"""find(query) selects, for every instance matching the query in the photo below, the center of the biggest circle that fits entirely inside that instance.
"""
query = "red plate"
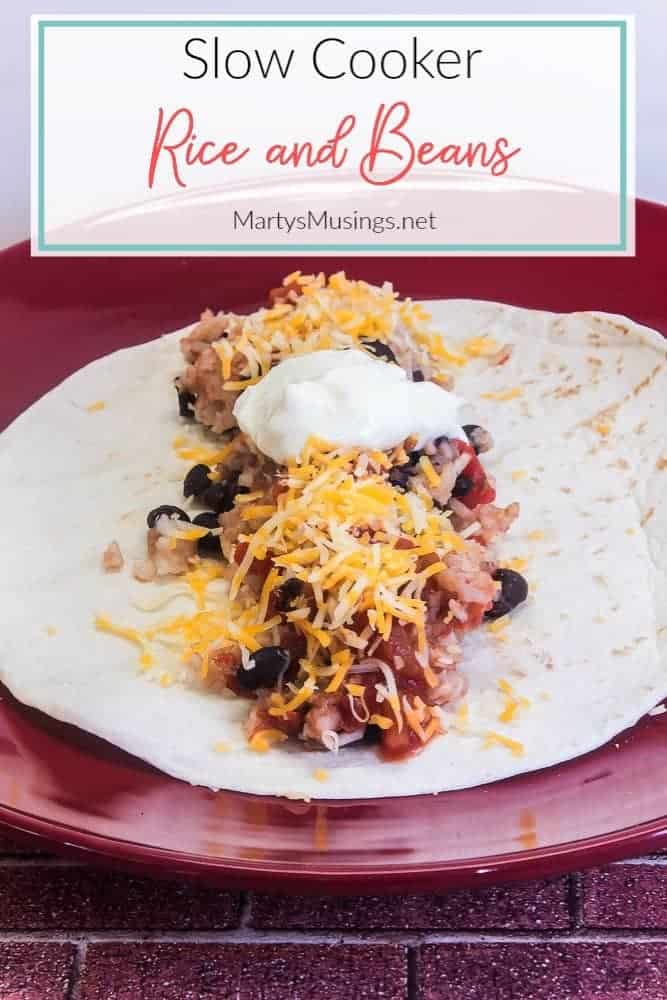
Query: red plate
(82, 795)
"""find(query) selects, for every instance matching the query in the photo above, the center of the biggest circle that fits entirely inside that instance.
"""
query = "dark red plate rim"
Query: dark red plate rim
(89, 307)
(276, 876)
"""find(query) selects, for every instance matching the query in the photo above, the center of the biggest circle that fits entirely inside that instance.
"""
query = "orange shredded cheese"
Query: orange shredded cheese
(516, 564)
(432, 477)
(515, 747)
(503, 395)
(481, 347)
(264, 739)
(382, 721)
(498, 625)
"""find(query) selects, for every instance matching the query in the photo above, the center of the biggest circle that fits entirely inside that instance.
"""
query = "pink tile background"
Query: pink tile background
(69, 932)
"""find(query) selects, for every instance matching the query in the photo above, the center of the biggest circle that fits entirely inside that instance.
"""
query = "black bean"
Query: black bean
(417, 375)
(169, 511)
(372, 734)
(442, 439)
(208, 547)
(475, 433)
(186, 402)
(399, 476)
(380, 350)
(462, 486)
(235, 489)
(264, 668)
(220, 496)
(514, 591)
(207, 519)
(197, 481)
(216, 495)
(286, 593)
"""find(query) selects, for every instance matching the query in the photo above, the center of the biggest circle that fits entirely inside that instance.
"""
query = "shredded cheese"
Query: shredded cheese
(515, 747)
(503, 395)
(432, 477)
(264, 739)
(481, 347)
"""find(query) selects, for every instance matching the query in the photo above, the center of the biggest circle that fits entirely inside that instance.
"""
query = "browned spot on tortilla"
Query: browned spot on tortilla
(647, 516)
(620, 327)
(594, 361)
(641, 427)
(645, 382)
(598, 552)
(661, 463)
(565, 391)
(566, 489)
(609, 413)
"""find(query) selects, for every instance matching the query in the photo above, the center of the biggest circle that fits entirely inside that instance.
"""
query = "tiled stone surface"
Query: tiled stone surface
(525, 906)
(36, 970)
(244, 972)
(39, 898)
(626, 896)
(68, 931)
(567, 971)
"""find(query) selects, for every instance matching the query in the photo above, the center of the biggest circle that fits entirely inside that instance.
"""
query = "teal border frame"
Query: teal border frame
(279, 248)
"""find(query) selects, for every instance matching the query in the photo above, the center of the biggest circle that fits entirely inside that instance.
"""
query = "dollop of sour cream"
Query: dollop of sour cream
(347, 398)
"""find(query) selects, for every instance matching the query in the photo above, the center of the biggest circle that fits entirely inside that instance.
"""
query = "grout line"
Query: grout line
(576, 901)
(412, 984)
(245, 913)
(406, 938)
(656, 860)
(35, 861)
(78, 964)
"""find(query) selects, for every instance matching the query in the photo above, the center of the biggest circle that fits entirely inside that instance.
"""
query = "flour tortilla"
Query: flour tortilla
(588, 649)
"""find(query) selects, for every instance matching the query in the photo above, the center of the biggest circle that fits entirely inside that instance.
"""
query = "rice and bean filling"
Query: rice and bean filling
(351, 575)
